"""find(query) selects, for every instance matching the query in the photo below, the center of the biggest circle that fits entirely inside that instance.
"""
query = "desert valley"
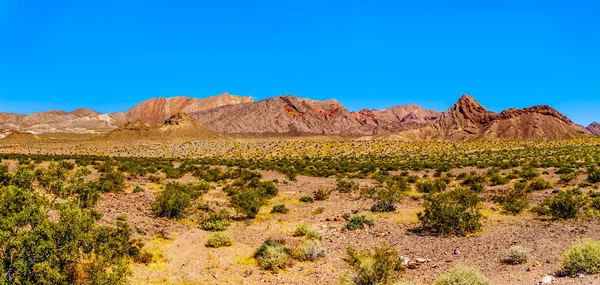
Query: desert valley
(226, 190)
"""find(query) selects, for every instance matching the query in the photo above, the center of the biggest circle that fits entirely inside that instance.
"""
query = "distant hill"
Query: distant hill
(290, 116)
(594, 128)
(469, 120)
(178, 126)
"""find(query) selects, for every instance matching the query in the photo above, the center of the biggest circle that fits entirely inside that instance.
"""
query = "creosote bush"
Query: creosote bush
(219, 239)
(462, 276)
(321, 194)
(301, 230)
(383, 266)
(280, 209)
(451, 213)
(307, 199)
(564, 205)
(346, 186)
(218, 221)
(513, 201)
(174, 200)
(583, 258)
(357, 221)
(272, 255)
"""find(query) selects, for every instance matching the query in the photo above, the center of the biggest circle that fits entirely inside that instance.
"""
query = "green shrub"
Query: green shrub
(321, 194)
(306, 199)
(111, 181)
(462, 276)
(594, 175)
(567, 177)
(138, 189)
(301, 230)
(218, 221)
(583, 258)
(280, 209)
(517, 254)
(313, 235)
(220, 239)
(247, 202)
(172, 202)
(513, 201)
(430, 186)
(345, 186)
(272, 255)
(383, 266)
(309, 250)
(451, 213)
(498, 179)
(357, 221)
(319, 210)
(539, 184)
(564, 205)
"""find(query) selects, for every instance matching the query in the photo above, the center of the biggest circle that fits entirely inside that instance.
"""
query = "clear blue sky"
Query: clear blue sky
(109, 55)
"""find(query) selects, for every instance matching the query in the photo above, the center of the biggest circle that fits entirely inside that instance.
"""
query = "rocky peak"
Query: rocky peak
(83, 112)
(594, 128)
(540, 109)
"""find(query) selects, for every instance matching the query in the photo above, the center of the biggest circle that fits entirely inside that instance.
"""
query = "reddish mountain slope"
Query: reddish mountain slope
(178, 126)
(468, 120)
(594, 128)
(157, 110)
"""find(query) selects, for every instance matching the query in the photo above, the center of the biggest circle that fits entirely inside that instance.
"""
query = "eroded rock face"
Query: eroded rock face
(594, 128)
(152, 111)
(178, 126)
(157, 110)
(468, 120)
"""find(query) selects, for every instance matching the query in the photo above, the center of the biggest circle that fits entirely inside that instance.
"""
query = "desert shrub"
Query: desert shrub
(498, 179)
(583, 257)
(290, 174)
(462, 276)
(564, 205)
(517, 254)
(154, 179)
(386, 197)
(306, 199)
(383, 206)
(247, 202)
(138, 189)
(383, 266)
(301, 230)
(172, 202)
(539, 184)
(321, 194)
(357, 221)
(219, 239)
(280, 209)
(455, 212)
(594, 175)
(218, 221)
(4, 175)
(308, 250)
(319, 210)
(567, 177)
(111, 181)
(272, 255)
(564, 170)
(431, 186)
(528, 172)
(313, 235)
(514, 201)
(346, 186)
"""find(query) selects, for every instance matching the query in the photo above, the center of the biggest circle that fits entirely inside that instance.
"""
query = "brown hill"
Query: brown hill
(157, 110)
(397, 118)
(594, 128)
(283, 115)
(468, 120)
(178, 126)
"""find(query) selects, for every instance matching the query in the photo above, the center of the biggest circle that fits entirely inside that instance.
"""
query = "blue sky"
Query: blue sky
(109, 55)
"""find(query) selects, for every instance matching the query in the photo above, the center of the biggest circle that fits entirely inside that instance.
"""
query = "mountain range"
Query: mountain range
(230, 115)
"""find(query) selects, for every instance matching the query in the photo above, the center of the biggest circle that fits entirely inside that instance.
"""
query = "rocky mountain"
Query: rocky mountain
(594, 128)
(157, 110)
(152, 111)
(178, 126)
(469, 120)
(288, 115)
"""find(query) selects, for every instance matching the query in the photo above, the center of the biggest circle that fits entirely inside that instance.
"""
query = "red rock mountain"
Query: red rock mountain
(594, 128)
(157, 110)
(152, 111)
(468, 120)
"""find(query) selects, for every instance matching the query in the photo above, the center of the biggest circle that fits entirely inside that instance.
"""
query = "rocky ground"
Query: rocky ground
(182, 258)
